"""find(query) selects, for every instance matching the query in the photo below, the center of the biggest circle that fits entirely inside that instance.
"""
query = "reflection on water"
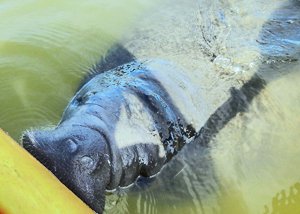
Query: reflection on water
(245, 160)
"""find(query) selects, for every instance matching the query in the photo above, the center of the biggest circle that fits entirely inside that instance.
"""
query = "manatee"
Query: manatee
(122, 124)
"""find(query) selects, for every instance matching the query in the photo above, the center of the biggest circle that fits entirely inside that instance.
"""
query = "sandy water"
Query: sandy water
(251, 166)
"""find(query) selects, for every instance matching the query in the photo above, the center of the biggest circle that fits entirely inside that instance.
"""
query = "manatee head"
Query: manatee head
(78, 155)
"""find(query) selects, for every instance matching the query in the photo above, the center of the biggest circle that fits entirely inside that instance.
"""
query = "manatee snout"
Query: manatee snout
(79, 156)
(35, 143)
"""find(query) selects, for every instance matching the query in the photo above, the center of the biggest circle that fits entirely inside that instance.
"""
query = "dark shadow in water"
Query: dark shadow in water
(189, 178)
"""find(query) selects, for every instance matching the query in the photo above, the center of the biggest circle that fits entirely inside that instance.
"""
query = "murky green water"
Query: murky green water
(45, 50)
(251, 166)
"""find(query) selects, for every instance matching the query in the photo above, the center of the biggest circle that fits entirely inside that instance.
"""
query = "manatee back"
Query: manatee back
(117, 55)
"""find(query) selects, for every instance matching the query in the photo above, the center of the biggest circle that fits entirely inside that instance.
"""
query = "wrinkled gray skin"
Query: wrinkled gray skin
(73, 153)
(82, 150)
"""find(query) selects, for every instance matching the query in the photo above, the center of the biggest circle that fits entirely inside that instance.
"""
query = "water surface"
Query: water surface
(250, 166)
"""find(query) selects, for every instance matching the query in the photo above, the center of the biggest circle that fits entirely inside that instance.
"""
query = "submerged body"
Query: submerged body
(123, 123)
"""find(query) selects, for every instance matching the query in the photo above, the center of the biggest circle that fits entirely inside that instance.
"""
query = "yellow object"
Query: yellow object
(26, 186)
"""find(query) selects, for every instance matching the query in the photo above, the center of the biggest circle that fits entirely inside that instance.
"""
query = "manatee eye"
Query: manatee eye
(72, 145)
(87, 162)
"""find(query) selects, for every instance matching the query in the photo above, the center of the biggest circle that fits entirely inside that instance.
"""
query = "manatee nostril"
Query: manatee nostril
(87, 162)
(72, 145)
